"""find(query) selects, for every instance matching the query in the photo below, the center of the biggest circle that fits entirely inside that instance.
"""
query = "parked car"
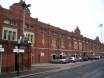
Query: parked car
(95, 57)
(73, 59)
(58, 60)
(85, 58)
(89, 57)
(80, 59)
(102, 56)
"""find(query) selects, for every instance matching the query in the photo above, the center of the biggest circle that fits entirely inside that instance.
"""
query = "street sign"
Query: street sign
(0, 45)
(22, 47)
(1, 49)
(18, 50)
(16, 47)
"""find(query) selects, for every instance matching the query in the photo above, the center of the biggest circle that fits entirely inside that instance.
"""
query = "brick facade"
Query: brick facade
(50, 41)
(9, 58)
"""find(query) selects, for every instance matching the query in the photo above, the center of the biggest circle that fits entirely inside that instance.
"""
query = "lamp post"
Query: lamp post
(100, 26)
(24, 5)
(18, 57)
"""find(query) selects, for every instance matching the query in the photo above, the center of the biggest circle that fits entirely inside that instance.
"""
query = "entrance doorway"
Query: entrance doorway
(75, 55)
(0, 61)
(60, 56)
(53, 56)
(84, 54)
(16, 62)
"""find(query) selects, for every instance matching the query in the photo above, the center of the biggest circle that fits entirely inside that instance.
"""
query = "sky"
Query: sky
(67, 14)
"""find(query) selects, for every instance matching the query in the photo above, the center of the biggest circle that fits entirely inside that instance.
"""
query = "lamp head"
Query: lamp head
(29, 5)
(24, 5)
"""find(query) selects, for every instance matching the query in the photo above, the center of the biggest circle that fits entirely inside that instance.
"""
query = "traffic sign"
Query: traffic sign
(0, 45)
(1, 49)
(18, 50)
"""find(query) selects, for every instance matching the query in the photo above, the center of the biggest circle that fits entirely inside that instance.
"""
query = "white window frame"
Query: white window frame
(6, 21)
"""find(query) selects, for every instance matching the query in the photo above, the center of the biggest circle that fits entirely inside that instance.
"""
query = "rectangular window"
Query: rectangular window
(5, 34)
(28, 37)
(69, 37)
(53, 33)
(14, 36)
(44, 31)
(75, 45)
(7, 21)
(61, 35)
(31, 38)
(31, 27)
(80, 46)
(40, 29)
(87, 47)
(26, 26)
(14, 23)
(62, 44)
(9, 35)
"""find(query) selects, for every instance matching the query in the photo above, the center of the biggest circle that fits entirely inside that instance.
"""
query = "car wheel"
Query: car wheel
(61, 62)
(51, 62)
(72, 61)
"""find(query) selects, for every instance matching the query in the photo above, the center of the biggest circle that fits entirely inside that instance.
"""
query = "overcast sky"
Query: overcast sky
(67, 14)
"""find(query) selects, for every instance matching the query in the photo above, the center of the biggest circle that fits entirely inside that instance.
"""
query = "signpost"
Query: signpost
(18, 50)
(1, 50)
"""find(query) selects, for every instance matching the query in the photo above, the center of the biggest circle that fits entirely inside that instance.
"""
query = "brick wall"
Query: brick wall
(8, 57)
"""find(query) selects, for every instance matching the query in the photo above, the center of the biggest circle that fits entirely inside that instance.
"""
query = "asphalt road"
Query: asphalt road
(91, 70)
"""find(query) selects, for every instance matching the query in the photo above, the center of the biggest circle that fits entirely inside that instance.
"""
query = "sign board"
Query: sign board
(22, 47)
(25, 38)
(16, 47)
(1, 49)
(0, 45)
(18, 50)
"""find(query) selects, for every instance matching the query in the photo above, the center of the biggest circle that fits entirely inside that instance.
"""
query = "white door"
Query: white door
(0, 61)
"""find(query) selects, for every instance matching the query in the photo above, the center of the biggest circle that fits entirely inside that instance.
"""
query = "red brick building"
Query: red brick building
(47, 41)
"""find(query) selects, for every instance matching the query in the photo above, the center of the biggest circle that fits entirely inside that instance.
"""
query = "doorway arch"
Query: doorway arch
(53, 55)
(75, 55)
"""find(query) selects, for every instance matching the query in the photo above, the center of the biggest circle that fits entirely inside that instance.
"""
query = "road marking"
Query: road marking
(47, 77)
(60, 73)
(65, 71)
(55, 75)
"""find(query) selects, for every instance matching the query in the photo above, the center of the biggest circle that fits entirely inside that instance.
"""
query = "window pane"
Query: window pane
(26, 26)
(5, 33)
(40, 29)
(28, 37)
(9, 35)
(14, 36)
(7, 21)
(31, 38)
(31, 27)
(14, 23)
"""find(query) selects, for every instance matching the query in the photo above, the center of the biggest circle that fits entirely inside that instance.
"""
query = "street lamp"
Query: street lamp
(24, 5)
(100, 26)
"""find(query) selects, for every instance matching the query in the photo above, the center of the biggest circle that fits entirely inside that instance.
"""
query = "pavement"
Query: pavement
(42, 68)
